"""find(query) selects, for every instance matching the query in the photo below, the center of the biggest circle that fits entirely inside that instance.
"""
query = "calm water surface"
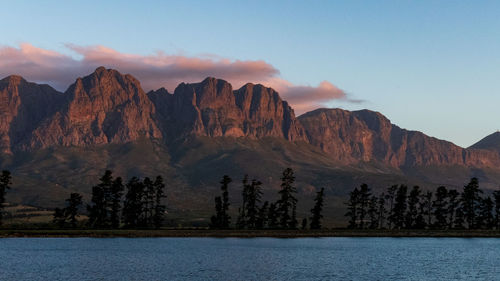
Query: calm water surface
(249, 259)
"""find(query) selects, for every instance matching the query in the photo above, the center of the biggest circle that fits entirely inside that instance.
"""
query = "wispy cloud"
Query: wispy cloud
(158, 70)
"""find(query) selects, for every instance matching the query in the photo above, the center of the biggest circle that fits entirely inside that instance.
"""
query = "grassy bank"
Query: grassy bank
(244, 233)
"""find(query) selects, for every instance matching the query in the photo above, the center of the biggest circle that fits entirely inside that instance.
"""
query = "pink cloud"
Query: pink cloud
(157, 70)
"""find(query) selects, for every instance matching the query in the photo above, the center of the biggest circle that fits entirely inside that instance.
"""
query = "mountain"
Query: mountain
(491, 142)
(56, 143)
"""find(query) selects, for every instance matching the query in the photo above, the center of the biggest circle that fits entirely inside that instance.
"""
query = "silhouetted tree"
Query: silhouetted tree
(221, 219)
(413, 207)
(59, 217)
(159, 207)
(496, 198)
(364, 200)
(133, 204)
(400, 205)
(317, 209)
(148, 202)
(116, 193)
(471, 202)
(303, 226)
(485, 217)
(427, 207)
(381, 211)
(373, 213)
(287, 203)
(352, 208)
(262, 219)
(440, 206)
(242, 211)
(390, 197)
(273, 216)
(453, 205)
(5, 183)
(73, 204)
(101, 196)
(254, 197)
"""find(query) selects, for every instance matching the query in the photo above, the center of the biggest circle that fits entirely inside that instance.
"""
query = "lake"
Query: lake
(249, 259)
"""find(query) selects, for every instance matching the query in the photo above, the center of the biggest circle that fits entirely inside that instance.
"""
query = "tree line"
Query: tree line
(255, 214)
(141, 207)
(402, 208)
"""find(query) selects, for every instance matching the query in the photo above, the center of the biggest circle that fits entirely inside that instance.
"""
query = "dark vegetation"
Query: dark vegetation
(118, 208)
(443, 209)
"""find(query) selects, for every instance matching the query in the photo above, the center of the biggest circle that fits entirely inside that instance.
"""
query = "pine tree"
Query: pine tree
(453, 205)
(440, 206)
(364, 200)
(390, 197)
(73, 204)
(133, 204)
(262, 219)
(352, 208)
(101, 198)
(5, 183)
(485, 218)
(316, 210)
(148, 201)
(496, 198)
(254, 197)
(272, 217)
(116, 193)
(381, 211)
(304, 224)
(221, 219)
(242, 211)
(471, 202)
(400, 205)
(413, 205)
(287, 202)
(427, 207)
(373, 213)
(159, 207)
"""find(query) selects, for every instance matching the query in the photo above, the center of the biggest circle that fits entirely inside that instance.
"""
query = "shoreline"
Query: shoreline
(208, 233)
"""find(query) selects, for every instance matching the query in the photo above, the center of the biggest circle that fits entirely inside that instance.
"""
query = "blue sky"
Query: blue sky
(431, 66)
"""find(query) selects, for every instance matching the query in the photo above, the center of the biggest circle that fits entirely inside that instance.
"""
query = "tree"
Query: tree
(400, 205)
(317, 209)
(73, 204)
(381, 211)
(352, 208)
(116, 193)
(242, 211)
(133, 204)
(272, 216)
(453, 205)
(427, 207)
(471, 202)
(391, 195)
(148, 201)
(413, 204)
(496, 197)
(440, 206)
(159, 207)
(221, 219)
(262, 219)
(304, 224)
(5, 183)
(373, 213)
(364, 200)
(287, 203)
(485, 218)
(59, 217)
(101, 196)
(254, 197)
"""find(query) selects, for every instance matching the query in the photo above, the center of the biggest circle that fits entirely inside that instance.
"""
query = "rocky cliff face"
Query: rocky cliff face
(104, 107)
(23, 105)
(369, 136)
(109, 107)
(211, 108)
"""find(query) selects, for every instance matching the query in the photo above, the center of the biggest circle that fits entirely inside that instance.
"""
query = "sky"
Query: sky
(431, 66)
